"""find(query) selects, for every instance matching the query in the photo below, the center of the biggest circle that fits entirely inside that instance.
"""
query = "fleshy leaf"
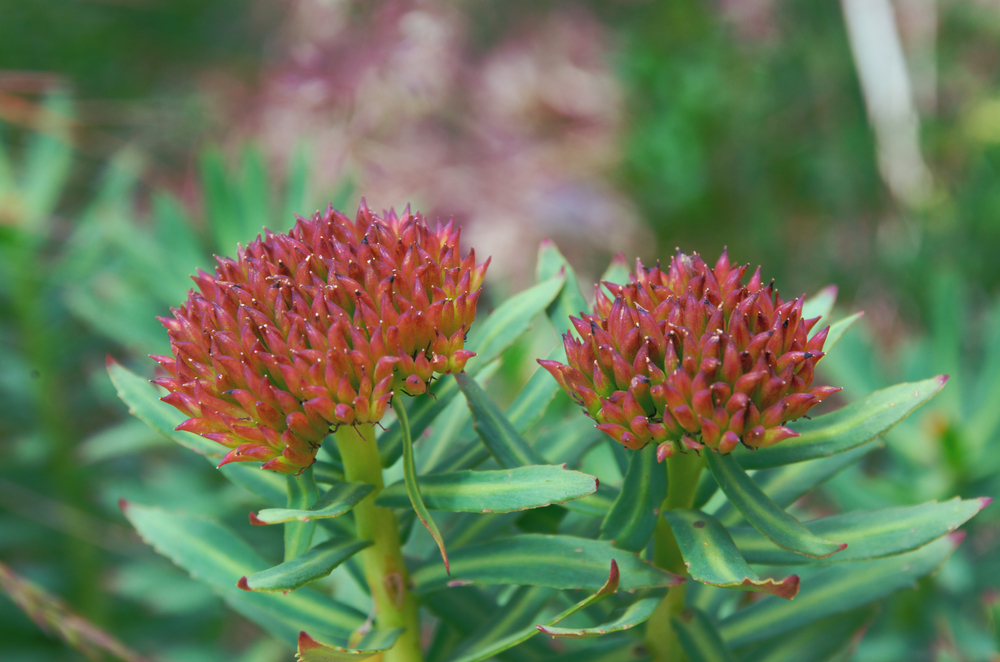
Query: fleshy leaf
(858, 423)
(617, 271)
(834, 590)
(373, 643)
(336, 501)
(636, 613)
(500, 491)
(869, 534)
(558, 561)
(630, 522)
(712, 558)
(766, 516)
(302, 493)
(410, 478)
(699, 638)
(498, 434)
(817, 642)
(517, 616)
(570, 300)
(312, 565)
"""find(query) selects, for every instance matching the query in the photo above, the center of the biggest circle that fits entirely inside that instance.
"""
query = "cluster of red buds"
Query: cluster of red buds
(689, 357)
(316, 328)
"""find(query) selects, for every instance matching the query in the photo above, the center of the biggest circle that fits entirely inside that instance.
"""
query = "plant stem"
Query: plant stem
(384, 568)
(683, 471)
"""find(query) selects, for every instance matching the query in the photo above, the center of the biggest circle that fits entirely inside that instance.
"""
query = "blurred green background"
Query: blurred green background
(853, 142)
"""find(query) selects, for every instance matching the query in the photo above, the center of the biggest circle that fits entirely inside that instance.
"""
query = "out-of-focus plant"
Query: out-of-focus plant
(710, 369)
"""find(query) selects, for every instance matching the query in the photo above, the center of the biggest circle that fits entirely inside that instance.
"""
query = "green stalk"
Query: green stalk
(385, 571)
(683, 470)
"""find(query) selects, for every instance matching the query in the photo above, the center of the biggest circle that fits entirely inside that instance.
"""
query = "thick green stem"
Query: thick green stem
(388, 580)
(683, 471)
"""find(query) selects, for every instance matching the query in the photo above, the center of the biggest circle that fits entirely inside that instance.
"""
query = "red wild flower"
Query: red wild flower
(317, 328)
(690, 356)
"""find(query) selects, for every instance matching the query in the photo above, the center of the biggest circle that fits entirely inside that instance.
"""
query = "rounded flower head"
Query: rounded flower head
(690, 356)
(316, 328)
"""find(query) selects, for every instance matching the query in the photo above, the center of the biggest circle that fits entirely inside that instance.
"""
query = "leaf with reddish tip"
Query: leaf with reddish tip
(856, 424)
(410, 478)
(713, 559)
(143, 400)
(839, 329)
(636, 613)
(336, 501)
(766, 516)
(630, 522)
(309, 566)
(699, 637)
(373, 643)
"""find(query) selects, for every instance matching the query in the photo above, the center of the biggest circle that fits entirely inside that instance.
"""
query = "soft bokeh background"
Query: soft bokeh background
(853, 142)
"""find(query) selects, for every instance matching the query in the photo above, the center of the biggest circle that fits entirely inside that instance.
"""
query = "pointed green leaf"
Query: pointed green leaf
(780, 528)
(618, 271)
(510, 319)
(500, 491)
(297, 183)
(699, 638)
(268, 485)
(515, 618)
(309, 566)
(821, 304)
(858, 423)
(570, 300)
(712, 558)
(498, 434)
(302, 493)
(636, 613)
(869, 534)
(630, 522)
(221, 206)
(47, 159)
(143, 400)
(410, 478)
(817, 642)
(835, 590)
(531, 401)
(215, 555)
(336, 501)
(610, 649)
(608, 588)
(373, 643)
(838, 329)
(564, 562)
(597, 504)
(254, 195)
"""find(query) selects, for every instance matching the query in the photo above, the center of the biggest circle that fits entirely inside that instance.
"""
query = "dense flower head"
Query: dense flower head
(316, 328)
(689, 356)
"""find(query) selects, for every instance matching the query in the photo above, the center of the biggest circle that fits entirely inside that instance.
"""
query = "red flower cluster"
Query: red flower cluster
(690, 356)
(316, 328)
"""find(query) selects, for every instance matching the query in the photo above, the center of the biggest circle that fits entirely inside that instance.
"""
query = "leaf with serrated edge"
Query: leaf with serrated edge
(410, 477)
(712, 558)
(336, 501)
(838, 330)
(869, 534)
(699, 638)
(143, 400)
(854, 425)
(498, 491)
(636, 613)
(564, 562)
(314, 564)
(373, 643)
(780, 528)
(630, 522)
(834, 590)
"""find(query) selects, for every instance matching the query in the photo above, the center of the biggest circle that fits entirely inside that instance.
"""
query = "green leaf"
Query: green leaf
(817, 642)
(47, 160)
(302, 493)
(175, 236)
(268, 485)
(215, 555)
(510, 319)
(636, 613)
(498, 434)
(336, 501)
(712, 558)
(221, 206)
(858, 423)
(309, 566)
(821, 304)
(699, 638)
(499, 491)
(563, 562)
(422, 413)
(608, 588)
(869, 534)
(144, 403)
(373, 643)
(410, 477)
(766, 516)
(834, 590)
(631, 520)
(534, 398)
(254, 196)
(597, 504)
(618, 271)
(297, 183)
(570, 300)
(515, 618)
(611, 649)
(838, 329)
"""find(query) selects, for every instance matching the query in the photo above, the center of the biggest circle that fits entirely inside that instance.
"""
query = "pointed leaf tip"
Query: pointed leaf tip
(242, 583)
(307, 643)
(256, 521)
(110, 361)
(123, 505)
(985, 501)
(956, 537)
(943, 379)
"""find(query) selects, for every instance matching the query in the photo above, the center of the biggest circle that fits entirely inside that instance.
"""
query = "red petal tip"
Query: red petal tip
(243, 584)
